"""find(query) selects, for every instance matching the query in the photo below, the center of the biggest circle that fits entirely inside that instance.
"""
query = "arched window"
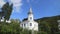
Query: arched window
(30, 24)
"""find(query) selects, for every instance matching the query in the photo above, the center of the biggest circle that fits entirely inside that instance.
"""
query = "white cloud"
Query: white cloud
(2, 3)
(16, 2)
(16, 5)
(17, 10)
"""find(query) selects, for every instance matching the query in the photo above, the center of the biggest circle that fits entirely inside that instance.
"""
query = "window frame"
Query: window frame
(30, 18)
(30, 24)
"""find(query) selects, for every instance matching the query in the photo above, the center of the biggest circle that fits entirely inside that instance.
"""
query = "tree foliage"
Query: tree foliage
(7, 9)
(49, 24)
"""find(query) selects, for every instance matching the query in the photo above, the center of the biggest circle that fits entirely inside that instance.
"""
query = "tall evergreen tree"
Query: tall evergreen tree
(7, 9)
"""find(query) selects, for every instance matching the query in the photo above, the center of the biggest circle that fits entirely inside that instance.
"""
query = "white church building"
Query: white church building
(29, 24)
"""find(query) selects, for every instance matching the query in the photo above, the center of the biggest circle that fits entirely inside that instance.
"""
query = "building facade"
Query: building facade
(58, 24)
(29, 24)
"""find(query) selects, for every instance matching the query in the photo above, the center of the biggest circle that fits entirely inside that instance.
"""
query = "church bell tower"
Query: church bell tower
(30, 15)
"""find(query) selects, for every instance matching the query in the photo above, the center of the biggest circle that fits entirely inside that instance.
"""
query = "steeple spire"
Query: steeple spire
(30, 11)
(30, 15)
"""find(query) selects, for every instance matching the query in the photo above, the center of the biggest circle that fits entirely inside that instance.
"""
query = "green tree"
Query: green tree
(7, 9)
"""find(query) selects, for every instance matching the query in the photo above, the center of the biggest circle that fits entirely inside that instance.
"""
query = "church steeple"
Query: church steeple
(30, 15)
(30, 12)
